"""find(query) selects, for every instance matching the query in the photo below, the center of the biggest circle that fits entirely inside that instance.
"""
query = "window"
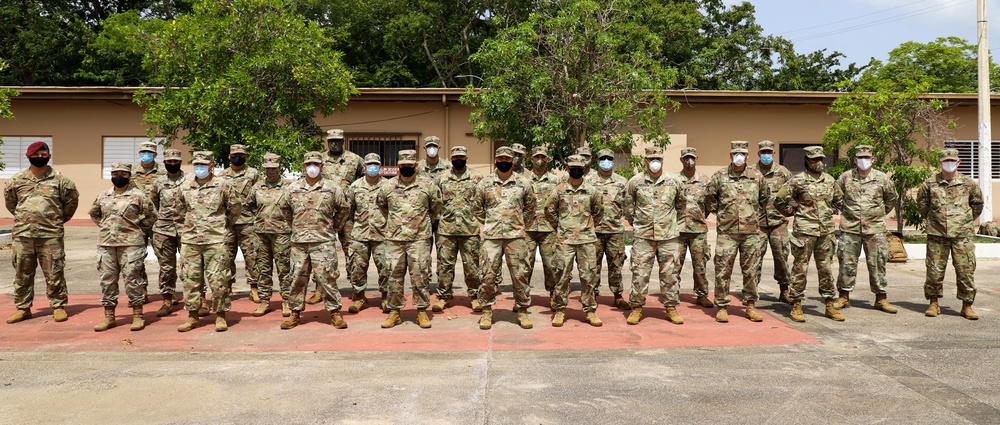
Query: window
(968, 153)
(386, 146)
(793, 157)
(13, 149)
(125, 149)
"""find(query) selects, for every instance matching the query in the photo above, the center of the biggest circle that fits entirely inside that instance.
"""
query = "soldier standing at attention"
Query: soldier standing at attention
(506, 203)
(144, 176)
(124, 215)
(541, 234)
(588, 172)
(318, 209)
(811, 197)
(367, 238)
(868, 196)
(166, 197)
(652, 199)
(42, 200)
(409, 204)
(458, 230)
(272, 226)
(774, 226)
(241, 180)
(610, 229)
(950, 202)
(209, 213)
(519, 152)
(433, 166)
(693, 229)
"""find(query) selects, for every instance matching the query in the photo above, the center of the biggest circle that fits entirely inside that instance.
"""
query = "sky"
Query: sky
(862, 29)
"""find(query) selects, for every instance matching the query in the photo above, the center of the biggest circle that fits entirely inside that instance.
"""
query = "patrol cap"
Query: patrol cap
(654, 152)
(539, 150)
(237, 149)
(861, 151)
(504, 151)
(335, 134)
(692, 152)
(271, 160)
(407, 157)
(739, 146)
(171, 154)
(312, 157)
(121, 166)
(203, 158)
(814, 152)
(584, 151)
(432, 141)
(765, 145)
(518, 149)
(605, 152)
(576, 161)
(35, 147)
(147, 147)
(459, 151)
(949, 155)
(373, 158)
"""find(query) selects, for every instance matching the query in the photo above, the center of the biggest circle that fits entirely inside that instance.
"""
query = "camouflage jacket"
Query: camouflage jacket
(866, 202)
(435, 171)
(144, 180)
(775, 177)
(41, 205)
(951, 206)
(543, 186)
(737, 200)
(208, 211)
(507, 206)
(343, 169)
(123, 218)
(651, 205)
(691, 219)
(409, 208)
(318, 211)
(812, 200)
(369, 223)
(242, 183)
(166, 197)
(458, 218)
(265, 202)
(612, 190)
(573, 212)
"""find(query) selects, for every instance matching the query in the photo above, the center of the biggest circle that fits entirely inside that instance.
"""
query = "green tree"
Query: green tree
(946, 65)
(5, 112)
(244, 71)
(114, 57)
(43, 40)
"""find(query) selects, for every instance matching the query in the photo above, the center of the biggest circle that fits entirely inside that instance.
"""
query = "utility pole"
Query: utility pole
(985, 131)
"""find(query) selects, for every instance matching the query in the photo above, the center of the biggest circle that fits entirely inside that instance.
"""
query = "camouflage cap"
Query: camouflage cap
(334, 134)
(504, 151)
(739, 146)
(539, 150)
(605, 153)
(147, 147)
(576, 161)
(519, 149)
(271, 160)
(654, 152)
(237, 149)
(373, 158)
(584, 151)
(121, 166)
(203, 158)
(432, 141)
(459, 151)
(171, 154)
(765, 145)
(949, 154)
(814, 152)
(689, 152)
(407, 157)
(861, 151)
(312, 157)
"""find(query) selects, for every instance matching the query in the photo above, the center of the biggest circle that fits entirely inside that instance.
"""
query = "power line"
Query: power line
(853, 18)
(889, 19)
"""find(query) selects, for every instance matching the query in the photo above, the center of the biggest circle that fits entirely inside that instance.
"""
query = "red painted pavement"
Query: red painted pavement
(456, 329)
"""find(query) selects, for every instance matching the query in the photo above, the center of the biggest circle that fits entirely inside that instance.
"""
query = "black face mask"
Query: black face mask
(119, 181)
(458, 164)
(576, 173)
(237, 160)
(407, 171)
(172, 168)
(505, 166)
(39, 161)
(336, 148)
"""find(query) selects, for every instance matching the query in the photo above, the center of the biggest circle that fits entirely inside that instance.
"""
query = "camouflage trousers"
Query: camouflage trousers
(448, 249)
(344, 237)
(697, 245)
(777, 237)
(246, 240)
(28, 254)
(319, 260)
(586, 264)
(166, 249)
(413, 257)
(876, 248)
(274, 251)
(644, 253)
(727, 246)
(805, 247)
(491, 261)
(545, 243)
(121, 261)
(206, 269)
(612, 247)
(963, 257)
(362, 252)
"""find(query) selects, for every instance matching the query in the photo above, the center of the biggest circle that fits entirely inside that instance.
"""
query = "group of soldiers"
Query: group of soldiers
(438, 204)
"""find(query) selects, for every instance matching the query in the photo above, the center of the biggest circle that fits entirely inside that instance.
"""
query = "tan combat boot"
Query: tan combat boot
(59, 314)
(933, 309)
(108, 322)
(337, 320)
(559, 318)
(620, 302)
(967, 311)
(204, 310)
(254, 294)
(783, 293)
(635, 316)
(704, 302)
(423, 319)
(168, 305)
(315, 298)
(138, 322)
(486, 320)
(722, 316)
(392, 320)
(832, 312)
(292, 321)
(882, 303)
(476, 307)
(191, 323)
(286, 311)
(522, 319)
(672, 315)
(440, 305)
(752, 313)
(593, 320)
(19, 315)
(360, 303)
(797, 315)
(220, 322)
(844, 301)
(262, 309)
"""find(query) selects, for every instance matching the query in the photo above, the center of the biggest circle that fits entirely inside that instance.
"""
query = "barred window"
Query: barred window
(387, 146)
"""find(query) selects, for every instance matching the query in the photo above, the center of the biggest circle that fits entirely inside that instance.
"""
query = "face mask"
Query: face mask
(817, 167)
(539, 163)
(949, 166)
(372, 170)
(432, 152)
(739, 159)
(336, 148)
(458, 164)
(605, 164)
(576, 173)
(146, 157)
(172, 168)
(688, 163)
(407, 171)
(272, 174)
(119, 181)
(312, 171)
(864, 164)
(39, 161)
(237, 160)
(505, 166)
(518, 160)
(201, 171)
(766, 158)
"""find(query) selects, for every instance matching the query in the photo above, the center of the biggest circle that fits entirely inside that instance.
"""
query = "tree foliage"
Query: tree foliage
(5, 112)
(946, 65)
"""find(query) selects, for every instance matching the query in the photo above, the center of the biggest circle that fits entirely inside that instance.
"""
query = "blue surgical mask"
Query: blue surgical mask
(605, 164)
(766, 158)
(146, 157)
(201, 171)
(372, 170)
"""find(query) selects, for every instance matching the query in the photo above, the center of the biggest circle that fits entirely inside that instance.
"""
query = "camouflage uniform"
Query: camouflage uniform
(610, 229)
(272, 225)
(458, 229)
(41, 206)
(166, 197)
(145, 181)
(773, 225)
(242, 183)
(541, 234)
(343, 170)
(574, 212)
(367, 241)
(438, 169)
(693, 228)
(124, 219)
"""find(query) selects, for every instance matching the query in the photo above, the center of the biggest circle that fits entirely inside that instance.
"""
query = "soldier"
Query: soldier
(611, 230)
(433, 166)
(737, 195)
(271, 224)
(124, 215)
(585, 152)
(950, 201)
(652, 199)
(209, 213)
(367, 239)
(410, 205)
(166, 197)
(42, 200)
(144, 176)
(868, 196)
(519, 152)
(811, 197)
(541, 234)
(458, 230)
(506, 204)
(318, 209)
(574, 209)
(691, 224)
(241, 180)
(774, 226)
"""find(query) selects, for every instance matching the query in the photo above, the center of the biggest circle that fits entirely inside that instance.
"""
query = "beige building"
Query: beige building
(89, 128)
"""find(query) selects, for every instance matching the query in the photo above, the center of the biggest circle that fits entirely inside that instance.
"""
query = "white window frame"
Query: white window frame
(125, 149)
(13, 150)
(968, 152)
